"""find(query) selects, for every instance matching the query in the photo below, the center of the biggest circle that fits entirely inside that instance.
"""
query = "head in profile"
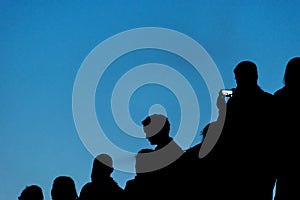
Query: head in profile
(32, 192)
(292, 73)
(246, 75)
(63, 188)
(157, 128)
(102, 167)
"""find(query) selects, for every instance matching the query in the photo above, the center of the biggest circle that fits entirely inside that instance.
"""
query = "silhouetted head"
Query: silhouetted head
(32, 192)
(63, 188)
(157, 128)
(212, 126)
(205, 130)
(246, 74)
(102, 167)
(292, 73)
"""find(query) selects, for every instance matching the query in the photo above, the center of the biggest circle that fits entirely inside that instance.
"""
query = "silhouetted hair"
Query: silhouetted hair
(102, 166)
(154, 122)
(63, 188)
(292, 72)
(246, 70)
(32, 192)
(146, 121)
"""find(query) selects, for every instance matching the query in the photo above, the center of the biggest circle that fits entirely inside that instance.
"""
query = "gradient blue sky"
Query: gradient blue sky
(43, 44)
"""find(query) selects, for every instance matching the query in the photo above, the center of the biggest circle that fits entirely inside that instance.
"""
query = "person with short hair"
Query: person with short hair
(32, 192)
(63, 188)
(101, 184)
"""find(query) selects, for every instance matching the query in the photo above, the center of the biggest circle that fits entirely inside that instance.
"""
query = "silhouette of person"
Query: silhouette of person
(204, 175)
(160, 165)
(157, 129)
(248, 143)
(63, 188)
(32, 192)
(287, 106)
(102, 184)
(143, 181)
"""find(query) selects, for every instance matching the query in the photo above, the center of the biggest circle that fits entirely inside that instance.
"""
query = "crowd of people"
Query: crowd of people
(256, 149)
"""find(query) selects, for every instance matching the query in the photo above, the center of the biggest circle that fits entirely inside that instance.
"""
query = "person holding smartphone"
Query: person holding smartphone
(247, 136)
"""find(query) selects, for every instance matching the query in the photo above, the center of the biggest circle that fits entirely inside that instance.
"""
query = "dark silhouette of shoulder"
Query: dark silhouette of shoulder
(287, 107)
(102, 184)
(143, 181)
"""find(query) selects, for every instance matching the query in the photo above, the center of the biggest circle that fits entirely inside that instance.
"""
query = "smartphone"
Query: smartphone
(227, 92)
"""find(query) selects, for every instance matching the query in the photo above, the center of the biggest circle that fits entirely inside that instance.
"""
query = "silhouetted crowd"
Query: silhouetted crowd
(250, 148)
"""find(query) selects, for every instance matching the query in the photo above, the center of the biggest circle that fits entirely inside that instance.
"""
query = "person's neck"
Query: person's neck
(163, 143)
(246, 89)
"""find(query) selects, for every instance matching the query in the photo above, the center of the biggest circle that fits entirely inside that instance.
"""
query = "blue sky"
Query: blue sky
(43, 45)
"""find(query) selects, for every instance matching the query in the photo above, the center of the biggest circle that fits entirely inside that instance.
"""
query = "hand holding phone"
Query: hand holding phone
(227, 92)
